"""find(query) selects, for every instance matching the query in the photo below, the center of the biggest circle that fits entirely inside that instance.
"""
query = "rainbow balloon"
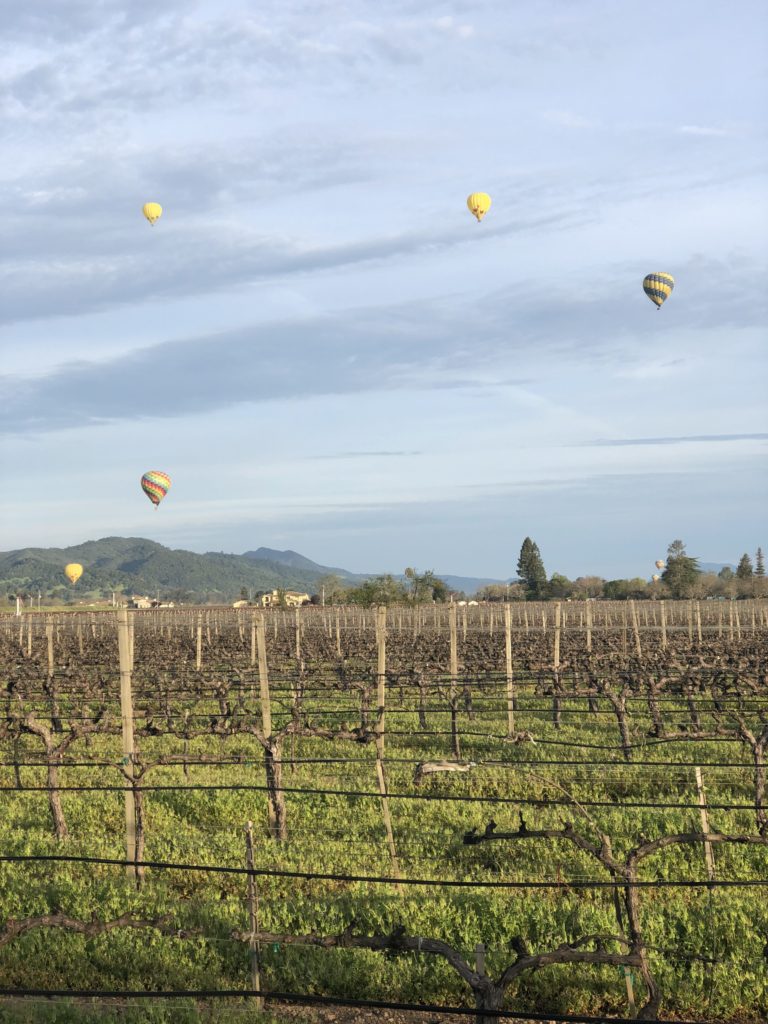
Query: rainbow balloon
(155, 485)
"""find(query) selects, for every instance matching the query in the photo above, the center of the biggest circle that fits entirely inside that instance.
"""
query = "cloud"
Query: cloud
(53, 267)
(694, 438)
(568, 119)
(448, 24)
(361, 350)
(428, 344)
(118, 57)
(704, 131)
(362, 455)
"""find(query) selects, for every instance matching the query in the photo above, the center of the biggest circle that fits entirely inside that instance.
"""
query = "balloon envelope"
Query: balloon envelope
(73, 571)
(152, 211)
(479, 204)
(155, 485)
(655, 578)
(660, 565)
(658, 287)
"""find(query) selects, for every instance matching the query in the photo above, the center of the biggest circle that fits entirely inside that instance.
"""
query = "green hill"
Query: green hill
(133, 565)
(137, 566)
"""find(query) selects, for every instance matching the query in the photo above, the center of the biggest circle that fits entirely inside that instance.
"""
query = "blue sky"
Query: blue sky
(318, 342)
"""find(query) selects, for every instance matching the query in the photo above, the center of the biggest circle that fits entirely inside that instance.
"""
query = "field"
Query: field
(483, 807)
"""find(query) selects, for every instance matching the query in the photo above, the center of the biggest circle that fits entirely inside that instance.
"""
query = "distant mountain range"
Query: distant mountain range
(137, 566)
(715, 566)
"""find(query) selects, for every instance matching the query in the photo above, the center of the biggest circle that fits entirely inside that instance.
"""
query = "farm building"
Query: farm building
(291, 598)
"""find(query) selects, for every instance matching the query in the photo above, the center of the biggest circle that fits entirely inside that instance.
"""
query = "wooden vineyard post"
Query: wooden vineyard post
(298, 634)
(730, 619)
(663, 611)
(199, 642)
(454, 676)
(338, 636)
(266, 707)
(525, 618)
(508, 661)
(381, 696)
(126, 717)
(381, 672)
(690, 623)
(698, 622)
(464, 623)
(253, 638)
(49, 638)
(738, 623)
(480, 958)
(253, 918)
(709, 855)
(589, 624)
(272, 755)
(29, 636)
(620, 920)
(556, 651)
(635, 628)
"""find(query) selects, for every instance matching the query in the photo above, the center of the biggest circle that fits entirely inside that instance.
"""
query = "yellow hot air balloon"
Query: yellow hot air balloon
(479, 204)
(660, 565)
(73, 571)
(152, 211)
(655, 578)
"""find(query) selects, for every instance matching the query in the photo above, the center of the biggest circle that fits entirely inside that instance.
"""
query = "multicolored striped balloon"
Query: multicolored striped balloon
(658, 287)
(155, 485)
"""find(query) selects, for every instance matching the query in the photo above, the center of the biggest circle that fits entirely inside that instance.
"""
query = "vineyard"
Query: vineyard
(552, 809)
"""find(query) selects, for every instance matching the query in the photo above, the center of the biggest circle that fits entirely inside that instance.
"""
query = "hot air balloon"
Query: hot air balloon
(152, 211)
(655, 578)
(479, 204)
(155, 485)
(73, 571)
(660, 564)
(658, 287)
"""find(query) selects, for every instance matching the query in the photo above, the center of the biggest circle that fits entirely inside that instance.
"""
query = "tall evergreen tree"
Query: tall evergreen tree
(759, 563)
(744, 570)
(530, 569)
(682, 570)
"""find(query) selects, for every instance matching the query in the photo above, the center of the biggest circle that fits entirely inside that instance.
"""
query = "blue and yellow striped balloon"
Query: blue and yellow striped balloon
(658, 287)
(155, 485)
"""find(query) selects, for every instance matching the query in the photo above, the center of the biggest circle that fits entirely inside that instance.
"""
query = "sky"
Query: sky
(320, 344)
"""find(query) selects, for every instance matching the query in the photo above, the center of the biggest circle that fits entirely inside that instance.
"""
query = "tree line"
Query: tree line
(681, 577)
